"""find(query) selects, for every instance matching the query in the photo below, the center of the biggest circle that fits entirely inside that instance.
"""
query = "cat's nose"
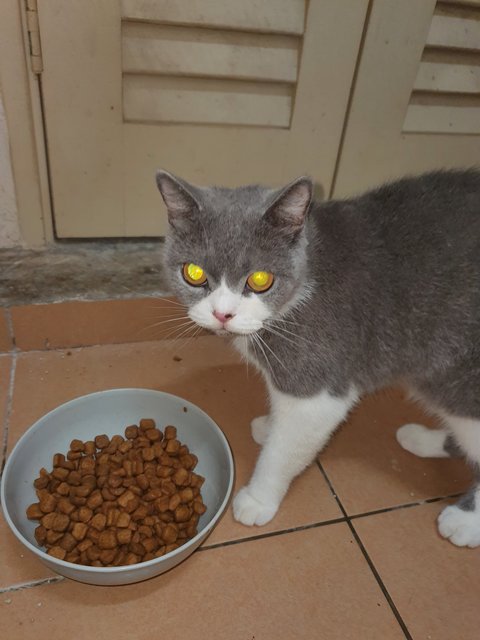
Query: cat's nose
(223, 317)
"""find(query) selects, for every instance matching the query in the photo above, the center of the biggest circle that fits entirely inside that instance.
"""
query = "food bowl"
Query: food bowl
(110, 412)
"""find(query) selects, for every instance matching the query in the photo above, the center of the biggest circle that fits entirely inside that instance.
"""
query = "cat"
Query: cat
(334, 300)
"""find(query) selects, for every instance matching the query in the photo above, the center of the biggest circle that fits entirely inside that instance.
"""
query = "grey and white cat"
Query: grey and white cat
(335, 300)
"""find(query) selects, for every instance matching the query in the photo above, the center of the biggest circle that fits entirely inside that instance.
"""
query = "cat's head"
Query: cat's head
(236, 257)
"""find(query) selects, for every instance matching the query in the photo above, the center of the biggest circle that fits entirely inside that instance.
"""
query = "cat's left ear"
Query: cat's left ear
(178, 197)
(288, 211)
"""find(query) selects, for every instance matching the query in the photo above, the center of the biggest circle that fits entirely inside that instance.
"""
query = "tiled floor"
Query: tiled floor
(352, 554)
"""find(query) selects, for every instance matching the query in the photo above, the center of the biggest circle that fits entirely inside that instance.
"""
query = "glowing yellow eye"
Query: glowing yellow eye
(260, 281)
(194, 275)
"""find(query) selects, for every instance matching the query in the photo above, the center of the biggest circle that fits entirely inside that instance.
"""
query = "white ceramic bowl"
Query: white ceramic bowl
(110, 412)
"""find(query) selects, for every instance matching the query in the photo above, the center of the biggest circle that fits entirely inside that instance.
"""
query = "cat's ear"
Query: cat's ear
(288, 211)
(178, 197)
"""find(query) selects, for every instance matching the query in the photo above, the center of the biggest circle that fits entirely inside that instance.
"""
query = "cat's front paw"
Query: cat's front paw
(248, 510)
(260, 428)
(459, 526)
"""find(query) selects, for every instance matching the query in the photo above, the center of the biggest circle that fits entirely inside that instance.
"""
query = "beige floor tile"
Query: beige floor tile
(5, 367)
(368, 468)
(74, 324)
(209, 374)
(304, 585)
(5, 338)
(434, 584)
(17, 565)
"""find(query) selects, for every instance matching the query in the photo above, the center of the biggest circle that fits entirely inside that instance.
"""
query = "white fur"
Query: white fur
(260, 428)
(249, 312)
(299, 428)
(423, 442)
(460, 527)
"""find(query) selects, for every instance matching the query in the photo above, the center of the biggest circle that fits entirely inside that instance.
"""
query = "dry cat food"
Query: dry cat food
(118, 501)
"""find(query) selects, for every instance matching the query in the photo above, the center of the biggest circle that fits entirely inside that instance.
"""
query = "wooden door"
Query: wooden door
(416, 103)
(218, 91)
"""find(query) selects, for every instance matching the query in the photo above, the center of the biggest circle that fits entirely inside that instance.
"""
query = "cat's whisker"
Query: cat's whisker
(162, 322)
(276, 332)
(178, 328)
(255, 337)
(272, 352)
(270, 326)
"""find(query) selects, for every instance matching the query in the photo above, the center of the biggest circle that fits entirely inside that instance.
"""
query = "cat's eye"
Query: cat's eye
(193, 274)
(260, 281)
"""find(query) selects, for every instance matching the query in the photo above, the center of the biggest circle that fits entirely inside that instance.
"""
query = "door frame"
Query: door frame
(21, 94)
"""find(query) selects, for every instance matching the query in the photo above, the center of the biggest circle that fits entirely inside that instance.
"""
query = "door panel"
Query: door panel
(218, 91)
(416, 103)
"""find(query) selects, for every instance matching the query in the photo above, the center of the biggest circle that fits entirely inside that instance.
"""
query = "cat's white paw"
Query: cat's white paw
(260, 427)
(423, 442)
(460, 527)
(248, 510)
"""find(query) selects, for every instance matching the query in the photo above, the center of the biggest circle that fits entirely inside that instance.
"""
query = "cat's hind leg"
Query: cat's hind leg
(460, 523)
(427, 443)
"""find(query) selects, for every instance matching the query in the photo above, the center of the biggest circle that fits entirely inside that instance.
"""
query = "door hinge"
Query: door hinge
(33, 30)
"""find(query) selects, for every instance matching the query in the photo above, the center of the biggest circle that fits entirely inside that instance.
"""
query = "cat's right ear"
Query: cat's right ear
(178, 199)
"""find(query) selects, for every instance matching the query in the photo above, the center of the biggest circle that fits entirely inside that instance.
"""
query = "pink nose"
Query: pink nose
(223, 317)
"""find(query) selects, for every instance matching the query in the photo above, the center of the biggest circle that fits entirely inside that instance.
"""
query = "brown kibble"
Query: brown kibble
(123, 520)
(53, 537)
(140, 513)
(131, 432)
(84, 545)
(63, 489)
(78, 501)
(56, 521)
(107, 556)
(150, 544)
(137, 548)
(94, 500)
(181, 477)
(196, 480)
(171, 547)
(124, 536)
(142, 481)
(199, 507)
(174, 502)
(77, 445)
(41, 482)
(161, 504)
(125, 498)
(86, 466)
(99, 521)
(107, 540)
(74, 455)
(172, 446)
(74, 478)
(58, 459)
(112, 517)
(90, 448)
(93, 553)
(83, 491)
(114, 481)
(131, 559)
(40, 535)
(186, 494)
(169, 534)
(79, 530)
(68, 542)
(48, 503)
(57, 552)
(153, 435)
(102, 442)
(125, 446)
(73, 556)
(146, 424)
(148, 454)
(170, 433)
(182, 513)
(84, 514)
(34, 512)
(65, 506)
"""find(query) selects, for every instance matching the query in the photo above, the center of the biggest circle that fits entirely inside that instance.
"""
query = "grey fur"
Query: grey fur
(467, 502)
(451, 447)
(393, 275)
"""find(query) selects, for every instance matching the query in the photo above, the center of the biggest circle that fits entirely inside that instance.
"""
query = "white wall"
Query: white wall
(9, 230)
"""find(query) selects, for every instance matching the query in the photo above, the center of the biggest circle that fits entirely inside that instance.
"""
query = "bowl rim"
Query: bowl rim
(122, 568)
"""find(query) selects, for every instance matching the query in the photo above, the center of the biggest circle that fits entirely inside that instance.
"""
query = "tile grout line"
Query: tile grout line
(30, 585)
(271, 534)
(368, 560)
(407, 505)
(8, 408)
